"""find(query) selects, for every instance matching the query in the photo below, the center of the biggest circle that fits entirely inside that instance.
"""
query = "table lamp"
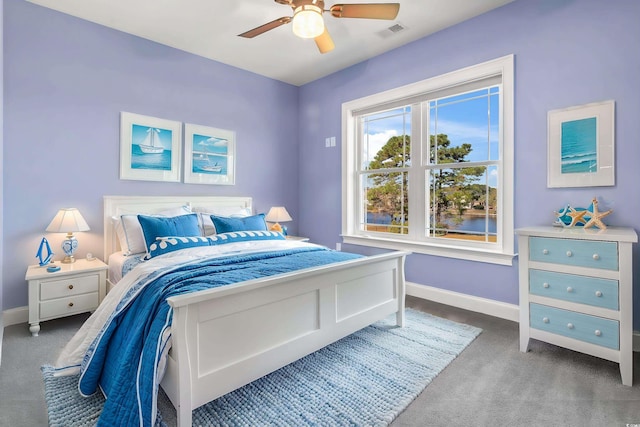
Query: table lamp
(276, 215)
(68, 221)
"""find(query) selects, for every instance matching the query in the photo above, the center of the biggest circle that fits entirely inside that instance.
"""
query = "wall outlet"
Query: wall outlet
(338, 246)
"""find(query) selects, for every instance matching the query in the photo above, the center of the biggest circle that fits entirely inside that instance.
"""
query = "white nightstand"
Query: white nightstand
(298, 238)
(75, 288)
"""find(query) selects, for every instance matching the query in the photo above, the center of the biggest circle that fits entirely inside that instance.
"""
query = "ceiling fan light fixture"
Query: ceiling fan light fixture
(307, 21)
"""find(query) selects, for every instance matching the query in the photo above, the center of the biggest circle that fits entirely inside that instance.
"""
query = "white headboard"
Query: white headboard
(115, 206)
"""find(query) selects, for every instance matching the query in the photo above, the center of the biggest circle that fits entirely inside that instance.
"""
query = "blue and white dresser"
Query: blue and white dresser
(576, 291)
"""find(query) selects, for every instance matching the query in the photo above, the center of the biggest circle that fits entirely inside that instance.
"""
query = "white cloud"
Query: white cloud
(375, 142)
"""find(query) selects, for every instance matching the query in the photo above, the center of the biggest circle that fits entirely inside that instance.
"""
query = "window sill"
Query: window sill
(431, 249)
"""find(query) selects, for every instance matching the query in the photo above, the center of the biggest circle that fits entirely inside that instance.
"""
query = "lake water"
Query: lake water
(469, 223)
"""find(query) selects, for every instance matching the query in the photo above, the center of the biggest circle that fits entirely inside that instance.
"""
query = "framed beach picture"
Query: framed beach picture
(150, 148)
(209, 155)
(580, 146)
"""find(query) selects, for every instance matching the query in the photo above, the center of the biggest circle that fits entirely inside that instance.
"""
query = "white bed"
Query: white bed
(291, 314)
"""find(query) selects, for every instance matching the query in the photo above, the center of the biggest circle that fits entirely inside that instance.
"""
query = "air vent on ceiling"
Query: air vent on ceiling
(394, 29)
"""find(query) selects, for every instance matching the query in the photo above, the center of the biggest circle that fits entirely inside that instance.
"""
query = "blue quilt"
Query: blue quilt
(123, 359)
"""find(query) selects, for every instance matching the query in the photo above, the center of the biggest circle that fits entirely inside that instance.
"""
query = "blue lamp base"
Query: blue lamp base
(69, 246)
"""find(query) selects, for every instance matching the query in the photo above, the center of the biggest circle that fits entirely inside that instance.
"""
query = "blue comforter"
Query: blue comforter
(123, 359)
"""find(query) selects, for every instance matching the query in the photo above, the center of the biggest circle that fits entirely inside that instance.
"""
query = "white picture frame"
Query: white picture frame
(209, 155)
(150, 148)
(581, 146)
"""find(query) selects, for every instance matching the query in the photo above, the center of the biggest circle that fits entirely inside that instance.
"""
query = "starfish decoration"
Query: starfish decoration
(596, 216)
(577, 216)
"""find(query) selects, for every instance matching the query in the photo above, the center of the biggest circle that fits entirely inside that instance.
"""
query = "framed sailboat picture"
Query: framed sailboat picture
(150, 148)
(209, 155)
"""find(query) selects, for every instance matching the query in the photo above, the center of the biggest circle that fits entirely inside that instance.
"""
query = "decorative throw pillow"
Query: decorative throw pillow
(180, 226)
(130, 234)
(244, 236)
(206, 224)
(164, 245)
(227, 224)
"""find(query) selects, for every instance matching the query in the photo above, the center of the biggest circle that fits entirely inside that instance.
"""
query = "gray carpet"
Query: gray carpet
(490, 384)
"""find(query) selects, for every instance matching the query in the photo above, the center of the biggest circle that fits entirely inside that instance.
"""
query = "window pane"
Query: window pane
(462, 203)
(465, 127)
(386, 140)
(386, 207)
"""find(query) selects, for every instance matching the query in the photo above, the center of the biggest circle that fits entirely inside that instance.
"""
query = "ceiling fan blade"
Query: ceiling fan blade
(266, 27)
(324, 42)
(366, 10)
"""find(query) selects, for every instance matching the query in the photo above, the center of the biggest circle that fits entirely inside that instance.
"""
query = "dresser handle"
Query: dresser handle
(597, 332)
(598, 294)
(569, 289)
(569, 253)
(570, 325)
(70, 304)
(596, 257)
(70, 286)
(545, 319)
(545, 285)
(545, 251)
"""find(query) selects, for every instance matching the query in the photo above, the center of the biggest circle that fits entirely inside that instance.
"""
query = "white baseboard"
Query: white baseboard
(467, 302)
(14, 316)
(477, 304)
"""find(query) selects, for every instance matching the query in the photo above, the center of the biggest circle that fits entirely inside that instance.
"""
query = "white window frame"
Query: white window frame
(502, 252)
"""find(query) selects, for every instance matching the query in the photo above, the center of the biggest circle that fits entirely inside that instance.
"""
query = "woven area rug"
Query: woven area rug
(365, 379)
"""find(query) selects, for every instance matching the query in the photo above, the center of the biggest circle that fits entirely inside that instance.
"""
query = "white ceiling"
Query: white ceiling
(210, 28)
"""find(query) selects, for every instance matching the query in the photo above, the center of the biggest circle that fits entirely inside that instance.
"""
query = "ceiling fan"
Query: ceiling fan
(308, 23)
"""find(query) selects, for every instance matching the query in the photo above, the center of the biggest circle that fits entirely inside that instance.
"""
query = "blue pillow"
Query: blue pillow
(165, 245)
(225, 224)
(245, 236)
(181, 226)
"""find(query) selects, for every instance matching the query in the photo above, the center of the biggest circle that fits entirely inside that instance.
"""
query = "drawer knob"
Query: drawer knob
(545, 319)
(545, 285)
(598, 294)
(569, 289)
(569, 253)
(70, 304)
(596, 257)
(597, 332)
(70, 286)
(570, 325)
(545, 251)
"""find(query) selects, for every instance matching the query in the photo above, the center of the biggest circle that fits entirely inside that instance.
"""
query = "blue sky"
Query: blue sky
(463, 118)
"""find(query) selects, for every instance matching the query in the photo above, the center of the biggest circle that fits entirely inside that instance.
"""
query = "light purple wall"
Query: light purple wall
(566, 53)
(66, 81)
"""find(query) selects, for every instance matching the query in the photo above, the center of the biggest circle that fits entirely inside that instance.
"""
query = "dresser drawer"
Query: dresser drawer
(70, 305)
(570, 287)
(583, 327)
(51, 289)
(580, 253)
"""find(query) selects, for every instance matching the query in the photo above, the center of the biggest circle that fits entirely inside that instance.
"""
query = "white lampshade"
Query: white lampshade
(278, 214)
(68, 220)
(307, 21)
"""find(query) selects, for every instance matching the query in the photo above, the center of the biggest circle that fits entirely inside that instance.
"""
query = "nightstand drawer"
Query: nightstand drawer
(580, 289)
(583, 327)
(70, 305)
(580, 253)
(51, 289)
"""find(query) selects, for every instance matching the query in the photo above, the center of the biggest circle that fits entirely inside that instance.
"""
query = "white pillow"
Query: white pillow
(204, 217)
(129, 230)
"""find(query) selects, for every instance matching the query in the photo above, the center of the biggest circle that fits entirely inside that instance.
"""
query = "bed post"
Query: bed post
(401, 292)
(182, 356)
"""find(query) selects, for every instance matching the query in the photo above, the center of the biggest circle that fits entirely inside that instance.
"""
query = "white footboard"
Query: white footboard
(226, 337)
